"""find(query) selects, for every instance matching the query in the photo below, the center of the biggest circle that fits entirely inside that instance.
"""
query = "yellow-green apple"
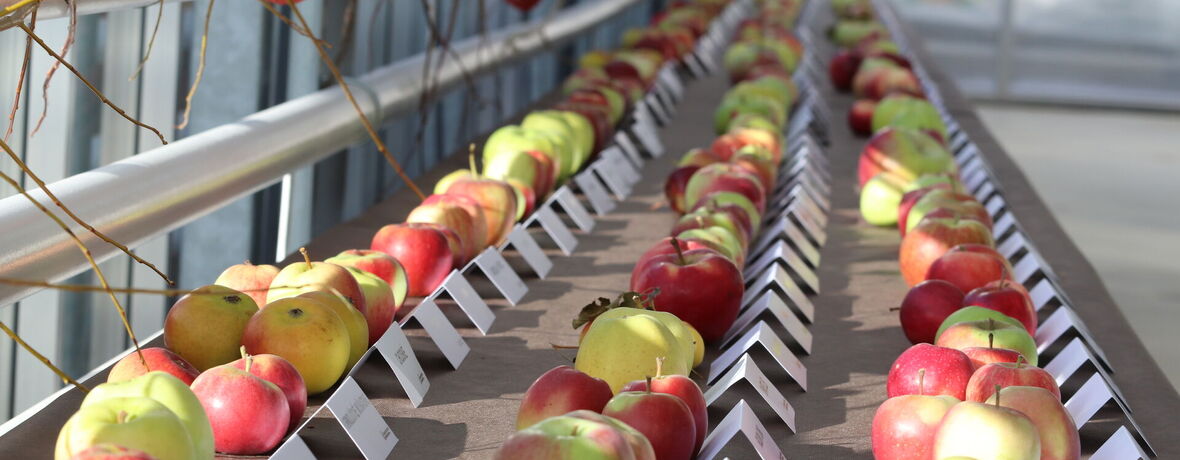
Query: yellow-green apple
(911, 197)
(729, 144)
(517, 166)
(735, 105)
(445, 182)
(983, 333)
(683, 388)
(1005, 299)
(974, 313)
(205, 326)
(305, 332)
(724, 177)
(1055, 427)
(972, 212)
(730, 246)
(906, 152)
(599, 117)
(970, 266)
(932, 238)
(842, 67)
(381, 307)
(849, 32)
(960, 203)
(700, 287)
(280, 372)
(496, 198)
(904, 426)
(686, 337)
(136, 422)
(880, 197)
(755, 160)
(734, 222)
(735, 204)
(249, 414)
(354, 321)
(929, 370)
(578, 435)
(108, 451)
(153, 359)
(860, 116)
(619, 350)
(663, 419)
(702, 218)
(985, 380)
(173, 394)
(552, 122)
(453, 217)
(760, 123)
(379, 264)
(982, 356)
(526, 198)
(986, 431)
(698, 157)
(675, 185)
(480, 230)
(561, 390)
(305, 276)
(512, 139)
(867, 72)
(422, 251)
(583, 130)
(925, 307)
(909, 112)
(247, 278)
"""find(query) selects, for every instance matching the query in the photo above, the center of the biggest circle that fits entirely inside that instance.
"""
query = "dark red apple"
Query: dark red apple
(701, 287)
(561, 390)
(842, 68)
(1005, 298)
(860, 116)
(926, 306)
(944, 371)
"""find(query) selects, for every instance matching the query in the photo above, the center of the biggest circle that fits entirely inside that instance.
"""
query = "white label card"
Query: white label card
(1026, 268)
(776, 276)
(1070, 359)
(671, 81)
(972, 165)
(649, 138)
(496, 269)
(574, 208)
(395, 350)
(468, 300)
(657, 109)
(621, 165)
(1003, 224)
(444, 335)
(556, 229)
(814, 231)
(1042, 293)
(974, 180)
(293, 449)
(1120, 446)
(1093, 394)
(804, 201)
(985, 191)
(762, 334)
(958, 141)
(623, 141)
(613, 178)
(995, 205)
(746, 369)
(780, 252)
(530, 251)
(774, 304)
(1011, 246)
(797, 240)
(695, 61)
(592, 188)
(360, 420)
(742, 419)
(1059, 323)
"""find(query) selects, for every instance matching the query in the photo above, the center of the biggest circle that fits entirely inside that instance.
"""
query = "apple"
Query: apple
(842, 67)
(249, 415)
(1005, 299)
(757, 161)
(910, 198)
(989, 332)
(976, 430)
(929, 370)
(969, 266)
(576, 151)
(526, 198)
(423, 252)
(205, 327)
(954, 203)
(378, 263)
(107, 451)
(155, 358)
(1055, 427)
(725, 177)
(880, 197)
(498, 201)
(305, 276)
(925, 307)
(703, 219)
(560, 390)
(686, 337)
(663, 419)
(458, 257)
(860, 116)
(729, 245)
(868, 70)
(354, 321)
(455, 218)
(681, 387)
(169, 391)
(731, 202)
(982, 356)
(665, 246)
(906, 111)
(701, 287)
(513, 140)
(578, 435)
(906, 152)
(891, 80)
(135, 422)
(305, 332)
(282, 374)
(480, 229)
(381, 305)
(904, 426)
(698, 157)
(675, 185)
(619, 350)
(247, 278)
(985, 380)
(931, 239)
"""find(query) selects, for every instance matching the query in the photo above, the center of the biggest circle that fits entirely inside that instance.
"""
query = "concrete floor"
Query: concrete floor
(1112, 178)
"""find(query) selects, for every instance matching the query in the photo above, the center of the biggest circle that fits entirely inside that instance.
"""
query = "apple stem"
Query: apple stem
(991, 324)
(247, 262)
(921, 381)
(306, 257)
(121, 417)
(471, 159)
(894, 308)
(242, 350)
(648, 378)
(659, 368)
(679, 252)
(997, 395)
(563, 347)
(991, 336)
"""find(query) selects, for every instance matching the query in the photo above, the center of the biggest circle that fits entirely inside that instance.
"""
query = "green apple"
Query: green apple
(978, 430)
(680, 329)
(989, 333)
(135, 422)
(583, 133)
(974, 313)
(930, 180)
(518, 166)
(908, 112)
(515, 139)
(550, 121)
(169, 391)
(445, 182)
(723, 198)
(578, 435)
(848, 32)
(880, 198)
(721, 237)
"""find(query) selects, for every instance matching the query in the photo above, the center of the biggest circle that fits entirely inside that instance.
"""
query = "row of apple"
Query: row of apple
(969, 387)
(634, 354)
(318, 318)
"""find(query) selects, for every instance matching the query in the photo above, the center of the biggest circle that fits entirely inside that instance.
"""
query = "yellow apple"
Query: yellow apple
(305, 332)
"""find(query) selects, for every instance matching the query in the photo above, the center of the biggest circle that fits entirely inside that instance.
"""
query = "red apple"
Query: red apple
(860, 116)
(969, 266)
(931, 239)
(106, 451)
(376, 262)
(473, 209)
(423, 251)
(498, 201)
(675, 185)
(910, 198)
(249, 415)
(904, 426)
(842, 67)
(684, 388)
(724, 177)
(982, 356)
(984, 381)
(701, 287)
(157, 359)
(1005, 299)
(698, 157)
(560, 390)
(281, 373)
(664, 247)
(925, 307)
(247, 278)
(455, 218)
(947, 203)
(944, 371)
(663, 418)
(1055, 427)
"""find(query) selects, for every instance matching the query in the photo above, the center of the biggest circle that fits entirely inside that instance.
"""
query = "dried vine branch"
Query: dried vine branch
(40, 357)
(20, 83)
(151, 41)
(65, 49)
(192, 91)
